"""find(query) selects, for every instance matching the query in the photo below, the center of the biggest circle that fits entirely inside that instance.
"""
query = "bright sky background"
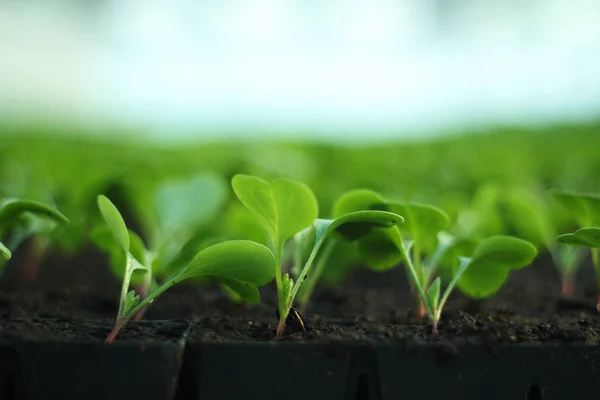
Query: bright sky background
(368, 68)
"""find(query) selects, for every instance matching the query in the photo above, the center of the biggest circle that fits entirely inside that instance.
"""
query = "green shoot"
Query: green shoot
(587, 238)
(287, 208)
(478, 276)
(584, 209)
(21, 218)
(241, 265)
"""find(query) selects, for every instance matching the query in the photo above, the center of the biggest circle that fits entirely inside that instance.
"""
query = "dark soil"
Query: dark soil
(76, 298)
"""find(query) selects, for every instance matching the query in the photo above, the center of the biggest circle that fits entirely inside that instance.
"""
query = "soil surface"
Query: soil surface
(76, 298)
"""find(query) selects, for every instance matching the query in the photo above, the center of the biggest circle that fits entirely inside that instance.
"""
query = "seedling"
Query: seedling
(286, 208)
(423, 245)
(423, 225)
(172, 223)
(241, 265)
(500, 210)
(21, 218)
(478, 276)
(585, 211)
(586, 238)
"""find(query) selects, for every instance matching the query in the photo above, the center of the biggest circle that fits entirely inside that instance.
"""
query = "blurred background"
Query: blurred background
(363, 69)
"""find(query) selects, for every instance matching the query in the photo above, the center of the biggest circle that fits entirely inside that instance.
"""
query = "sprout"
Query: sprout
(21, 217)
(287, 208)
(241, 265)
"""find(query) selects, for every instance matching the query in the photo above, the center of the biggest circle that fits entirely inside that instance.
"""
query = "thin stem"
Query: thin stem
(125, 285)
(123, 319)
(278, 276)
(316, 274)
(304, 272)
(143, 291)
(444, 243)
(596, 262)
(417, 283)
(37, 249)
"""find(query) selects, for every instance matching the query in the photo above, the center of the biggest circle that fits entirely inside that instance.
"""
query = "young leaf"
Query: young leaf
(239, 260)
(584, 237)
(115, 222)
(284, 206)
(356, 200)
(491, 263)
(5, 251)
(585, 208)
(358, 222)
(184, 205)
(12, 208)
(422, 223)
(131, 301)
(241, 291)
(381, 250)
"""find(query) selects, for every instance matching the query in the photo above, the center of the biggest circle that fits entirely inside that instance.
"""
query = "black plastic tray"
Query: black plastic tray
(297, 371)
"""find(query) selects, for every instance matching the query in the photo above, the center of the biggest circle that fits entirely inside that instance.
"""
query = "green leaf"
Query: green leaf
(356, 200)
(5, 251)
(287, 285)
(491, 263)
(433, 293)
(137, 248)
(115, 222)
(184, 205)
(381, 250)
(354, 225)
(131, 301)
(529, 216)
(13, 208)
(422, 223)
(284, 206)
(584, 208)
(102, 237)
(585, 237)
(238, 260)
(242, 291)
(359, 221)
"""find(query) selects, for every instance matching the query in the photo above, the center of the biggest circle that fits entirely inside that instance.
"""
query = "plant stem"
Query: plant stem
(122, 320)
(280, 295)
(596, 262)
(316, 274)
(118, 326)
(37, 249)
(143, 290)
(125, 285)
(417, 283)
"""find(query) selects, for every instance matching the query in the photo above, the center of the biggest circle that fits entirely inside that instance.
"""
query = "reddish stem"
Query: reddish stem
(598, 302)
(280, 329)
(434, 328)
(142, 292)
(568, 287)
(115, 332)
(422, 312)
(34, 259)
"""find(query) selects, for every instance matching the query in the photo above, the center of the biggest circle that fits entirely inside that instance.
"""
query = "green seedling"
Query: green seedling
(478, 276)
(287, 208)
(423, 225)
(423, 245)
(506, 210)
(21, 218)
(584, 209)
(174, 225)
(241, 265)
